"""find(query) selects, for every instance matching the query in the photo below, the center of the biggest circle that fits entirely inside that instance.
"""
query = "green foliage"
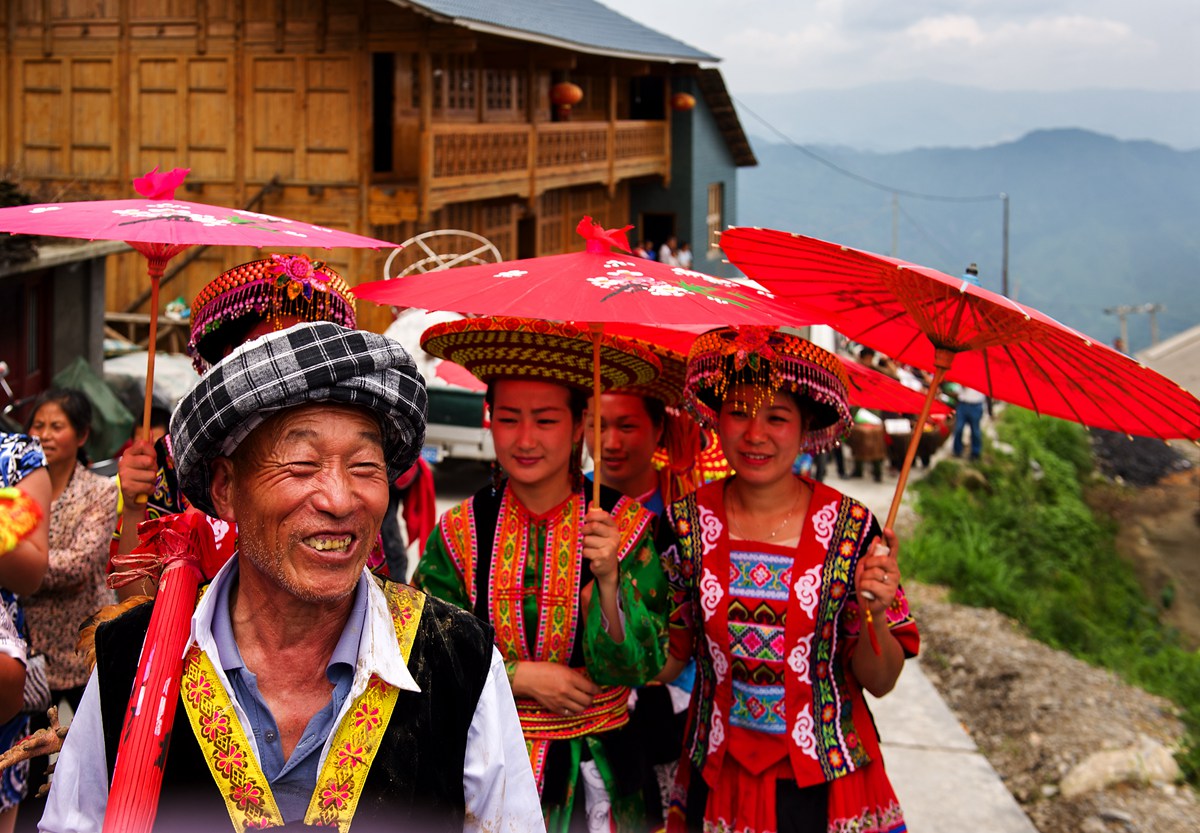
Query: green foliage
(1024, 541)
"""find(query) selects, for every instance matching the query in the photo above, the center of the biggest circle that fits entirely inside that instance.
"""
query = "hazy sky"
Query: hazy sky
(776, 45)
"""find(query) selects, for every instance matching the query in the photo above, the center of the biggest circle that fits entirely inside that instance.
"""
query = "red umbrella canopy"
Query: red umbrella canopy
(160, 227)
(594, 286)
(160, 219)
(868, 388)
(926, 318)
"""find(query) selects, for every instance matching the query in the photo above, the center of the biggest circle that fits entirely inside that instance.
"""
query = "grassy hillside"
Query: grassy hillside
(1095, 222)
(1016, 533)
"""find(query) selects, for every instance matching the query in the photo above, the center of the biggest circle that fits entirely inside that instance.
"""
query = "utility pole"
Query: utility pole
(1124, 310)
(1004, 249)
(1121, 312)
(895, 224)
(1152, 310)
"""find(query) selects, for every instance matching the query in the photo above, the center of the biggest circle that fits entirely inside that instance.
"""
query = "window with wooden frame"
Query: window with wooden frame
(504, 94)
(715, 218)
(455, 85)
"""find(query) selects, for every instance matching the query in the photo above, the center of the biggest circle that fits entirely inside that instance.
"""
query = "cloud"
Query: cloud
(1056, 31)
(775, 45)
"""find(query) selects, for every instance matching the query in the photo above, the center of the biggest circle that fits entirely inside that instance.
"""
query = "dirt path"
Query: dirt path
(1036, 713)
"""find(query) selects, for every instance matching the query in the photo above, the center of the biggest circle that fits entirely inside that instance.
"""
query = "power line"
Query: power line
(928, 235)
(859, 177)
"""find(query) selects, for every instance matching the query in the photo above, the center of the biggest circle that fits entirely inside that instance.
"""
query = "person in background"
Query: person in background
(684, 256)
(649, 451)
(160, 419)
(22, 466)
(83, 514)
(575, 591)
(666, 253)
(241, 304)
(787, 594)
(969, 412)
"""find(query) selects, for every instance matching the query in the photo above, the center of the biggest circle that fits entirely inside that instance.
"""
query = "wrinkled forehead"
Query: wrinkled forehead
(314, 423)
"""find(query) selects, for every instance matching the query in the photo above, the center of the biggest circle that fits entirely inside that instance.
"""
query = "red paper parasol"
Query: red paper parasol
(966, 334)
(160, 227)
(593, 286)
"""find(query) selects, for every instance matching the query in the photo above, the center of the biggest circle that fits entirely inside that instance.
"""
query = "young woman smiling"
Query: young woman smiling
(771, 574)
(575, 591)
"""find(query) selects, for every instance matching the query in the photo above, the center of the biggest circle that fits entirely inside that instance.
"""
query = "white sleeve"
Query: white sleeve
(79, 786)
(11, 643)
(501, 796)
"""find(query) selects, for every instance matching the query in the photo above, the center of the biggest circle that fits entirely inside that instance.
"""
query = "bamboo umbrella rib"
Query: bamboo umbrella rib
(1073, 379)
(1123, 397)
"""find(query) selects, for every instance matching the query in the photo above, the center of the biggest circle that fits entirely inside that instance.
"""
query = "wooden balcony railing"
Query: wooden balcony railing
(481, 161)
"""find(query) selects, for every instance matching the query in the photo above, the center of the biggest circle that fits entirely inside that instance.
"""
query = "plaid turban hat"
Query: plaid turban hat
(318, 363)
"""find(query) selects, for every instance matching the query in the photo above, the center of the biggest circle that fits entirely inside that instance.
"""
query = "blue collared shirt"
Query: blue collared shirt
(294, 779)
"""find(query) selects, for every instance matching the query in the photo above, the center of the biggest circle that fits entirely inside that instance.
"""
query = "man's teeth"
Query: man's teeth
(327, 543)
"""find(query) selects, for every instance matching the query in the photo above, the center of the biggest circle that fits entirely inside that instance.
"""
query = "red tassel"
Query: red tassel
(871, 633)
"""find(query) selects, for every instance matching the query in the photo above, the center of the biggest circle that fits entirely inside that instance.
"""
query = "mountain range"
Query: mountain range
(908, 114)
(1095, 221)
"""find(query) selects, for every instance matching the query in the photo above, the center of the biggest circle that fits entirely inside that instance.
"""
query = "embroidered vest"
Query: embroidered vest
(492, 524)
(842, 527)
(416, 778)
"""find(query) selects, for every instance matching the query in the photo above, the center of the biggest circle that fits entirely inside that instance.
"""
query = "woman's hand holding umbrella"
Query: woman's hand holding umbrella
(876, 582)
(600, 541)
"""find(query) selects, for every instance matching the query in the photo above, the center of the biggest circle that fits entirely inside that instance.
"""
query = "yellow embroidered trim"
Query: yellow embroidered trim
(236, 771)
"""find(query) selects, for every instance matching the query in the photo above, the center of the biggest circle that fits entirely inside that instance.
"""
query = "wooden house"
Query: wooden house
(384, 117)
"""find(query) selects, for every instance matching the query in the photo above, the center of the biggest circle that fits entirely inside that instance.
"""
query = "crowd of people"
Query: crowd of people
(671, 253)
(684, 646)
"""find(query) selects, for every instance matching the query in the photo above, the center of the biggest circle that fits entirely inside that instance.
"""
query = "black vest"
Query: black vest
(415, 782)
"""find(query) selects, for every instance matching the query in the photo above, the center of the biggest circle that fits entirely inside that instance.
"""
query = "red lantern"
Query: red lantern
(564, 95)
(683, 101)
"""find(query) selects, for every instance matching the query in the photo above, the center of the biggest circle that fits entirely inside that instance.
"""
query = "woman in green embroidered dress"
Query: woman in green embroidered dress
(575, 591)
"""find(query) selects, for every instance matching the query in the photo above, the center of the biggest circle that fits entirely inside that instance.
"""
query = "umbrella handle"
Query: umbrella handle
(596, 329)
(942, 359)
(913, 441)
(152, 344)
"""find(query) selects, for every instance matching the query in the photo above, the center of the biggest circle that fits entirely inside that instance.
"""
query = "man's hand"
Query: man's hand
(138, 468)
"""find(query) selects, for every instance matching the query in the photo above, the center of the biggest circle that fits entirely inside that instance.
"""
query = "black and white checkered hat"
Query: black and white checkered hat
(305, 364)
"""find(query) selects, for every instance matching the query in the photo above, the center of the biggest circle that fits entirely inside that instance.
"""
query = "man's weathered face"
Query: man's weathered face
(308, 489)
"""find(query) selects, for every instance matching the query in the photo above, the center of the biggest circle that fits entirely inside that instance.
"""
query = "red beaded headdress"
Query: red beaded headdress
(276, 286)
(772, 361)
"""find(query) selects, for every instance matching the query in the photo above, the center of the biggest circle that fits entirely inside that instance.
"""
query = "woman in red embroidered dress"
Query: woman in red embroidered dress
(775, 578)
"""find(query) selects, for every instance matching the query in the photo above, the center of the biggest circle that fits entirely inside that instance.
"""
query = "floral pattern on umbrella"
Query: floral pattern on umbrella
(594, 285)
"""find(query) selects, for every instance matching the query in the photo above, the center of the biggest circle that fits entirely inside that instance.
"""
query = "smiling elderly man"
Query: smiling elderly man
(312, 694)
